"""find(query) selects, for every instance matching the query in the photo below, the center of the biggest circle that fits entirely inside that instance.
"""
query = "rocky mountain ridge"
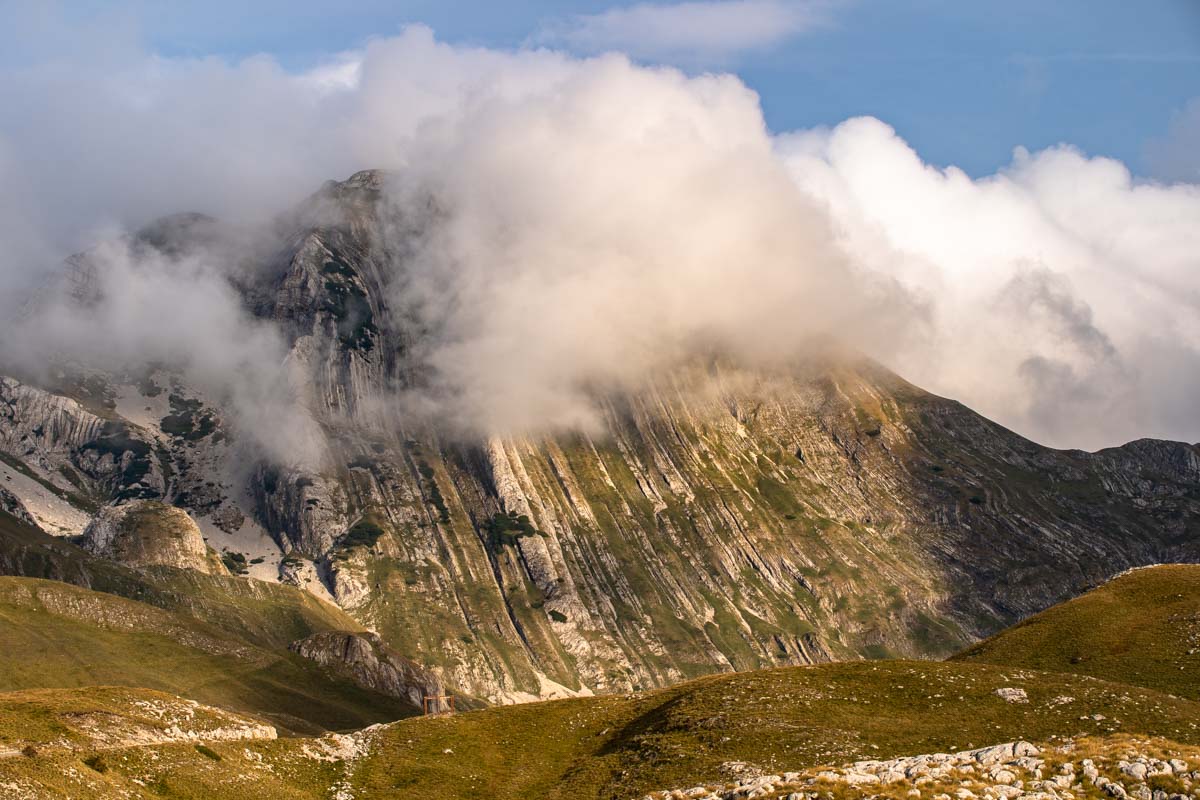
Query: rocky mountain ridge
(726, 517)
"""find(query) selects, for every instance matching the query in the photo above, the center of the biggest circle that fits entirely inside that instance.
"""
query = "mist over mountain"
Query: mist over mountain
(567, 223)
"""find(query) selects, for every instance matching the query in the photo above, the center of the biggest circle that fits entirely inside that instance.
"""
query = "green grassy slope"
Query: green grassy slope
(99, 717)
(67, 743)
(1141, 628)
(217, 639)
(624, 746)
(266, 613)
(778, 719)
(56, 635)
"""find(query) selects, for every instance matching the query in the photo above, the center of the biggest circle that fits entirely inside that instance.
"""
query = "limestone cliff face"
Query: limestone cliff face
(364, 659)
(147, 533)
(12, 505)
(732, 520)
(723, 518)
(92, 452)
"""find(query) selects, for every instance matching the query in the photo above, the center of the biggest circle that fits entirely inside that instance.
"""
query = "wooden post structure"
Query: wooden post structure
(438, 704)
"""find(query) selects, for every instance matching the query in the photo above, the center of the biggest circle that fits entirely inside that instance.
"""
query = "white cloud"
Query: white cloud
(690, 31)
(598, 222)
(1065, 296)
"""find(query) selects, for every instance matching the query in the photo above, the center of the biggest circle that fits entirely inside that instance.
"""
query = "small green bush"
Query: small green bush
(364, 533)
(234, 562)
(506, 529)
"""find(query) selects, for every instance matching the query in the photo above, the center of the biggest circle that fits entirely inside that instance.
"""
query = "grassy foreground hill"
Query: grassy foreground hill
(59, 636)
(625, 746)
(1112, 665)
(217, 639)
(1141, 628)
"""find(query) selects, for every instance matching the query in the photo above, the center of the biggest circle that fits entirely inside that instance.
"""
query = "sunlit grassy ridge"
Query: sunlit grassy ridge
(1141, 628)
(56, 635)
(96, 717)
(267, 613)
(777, 719)
(624, 746)
(215, 639)
(218, 640)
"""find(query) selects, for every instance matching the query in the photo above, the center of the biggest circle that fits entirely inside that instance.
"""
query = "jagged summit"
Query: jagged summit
(177, 234)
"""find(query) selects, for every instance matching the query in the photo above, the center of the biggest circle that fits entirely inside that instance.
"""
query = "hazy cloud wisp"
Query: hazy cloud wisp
(692, 31)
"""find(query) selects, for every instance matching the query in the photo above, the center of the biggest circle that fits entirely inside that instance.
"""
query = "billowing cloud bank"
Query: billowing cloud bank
(1065, 297)
(598, 221)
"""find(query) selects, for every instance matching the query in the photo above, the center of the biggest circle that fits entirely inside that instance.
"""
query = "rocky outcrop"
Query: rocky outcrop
(1011, 771)
(62, 442)
(305, 512)
(12, 505)
(146, 533)
(108, 718)
(366, 661)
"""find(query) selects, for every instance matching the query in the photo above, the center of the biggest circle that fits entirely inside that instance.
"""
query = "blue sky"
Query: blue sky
(963, 82)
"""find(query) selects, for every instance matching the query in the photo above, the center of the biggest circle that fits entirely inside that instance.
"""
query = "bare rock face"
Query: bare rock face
(147, 533)
(366, 661)
(57, 436)
(11, 504)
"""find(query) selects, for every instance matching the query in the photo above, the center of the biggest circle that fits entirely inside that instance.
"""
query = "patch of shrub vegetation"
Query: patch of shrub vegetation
(115, 440)
(188, 420)
(506, 529)
(347, 303)
(97, 763)
(148, 387)
(270, 478)
(364, 533)
(867, 422)
(558, 616)
(335, 266)
(435, 494)
(234, 562)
